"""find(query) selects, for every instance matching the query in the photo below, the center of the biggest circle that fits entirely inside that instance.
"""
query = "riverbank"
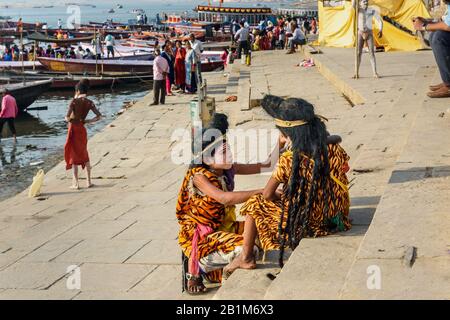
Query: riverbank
(122, 234)
(42, 134)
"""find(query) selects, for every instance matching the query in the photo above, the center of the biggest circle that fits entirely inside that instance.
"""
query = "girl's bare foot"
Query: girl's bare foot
(89, 185)
(238, 263)
(196, 286)
(74, 187)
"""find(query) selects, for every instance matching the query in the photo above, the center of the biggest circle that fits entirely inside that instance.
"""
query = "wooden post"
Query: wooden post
(95, 51)
(356, 38)
(21, 45)
(34, 55)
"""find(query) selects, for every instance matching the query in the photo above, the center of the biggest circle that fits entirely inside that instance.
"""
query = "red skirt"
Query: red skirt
(180, 72)
(75, 150)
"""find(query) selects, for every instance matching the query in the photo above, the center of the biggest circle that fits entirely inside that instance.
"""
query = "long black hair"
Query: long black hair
(309, 151)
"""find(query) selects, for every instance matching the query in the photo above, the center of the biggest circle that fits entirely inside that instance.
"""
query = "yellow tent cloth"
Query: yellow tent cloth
(337, 24)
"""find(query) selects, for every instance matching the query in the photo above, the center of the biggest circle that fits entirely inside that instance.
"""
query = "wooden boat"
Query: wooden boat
(17, 65)
(92, 66)
(7, 40)
(77, 66)
(27, 92)
(11, 32)
(42, 38)
(63, 81)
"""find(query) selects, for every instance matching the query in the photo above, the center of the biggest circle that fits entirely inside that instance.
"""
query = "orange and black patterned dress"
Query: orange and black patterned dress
(194, 208)
(267, 214)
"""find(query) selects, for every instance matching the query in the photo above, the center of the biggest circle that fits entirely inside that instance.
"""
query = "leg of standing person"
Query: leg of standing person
(360, 44)
(155, 92)
(168, 87)
(247, 47)
(373, 61)
(2, 122)
(88, 175)
(239, 50)
(194, 82)
(12, 128)
(75, 184)
(163, 92)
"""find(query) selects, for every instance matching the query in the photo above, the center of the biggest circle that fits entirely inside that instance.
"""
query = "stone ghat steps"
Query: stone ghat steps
(385, 121)
(408, 238)
(331, 268)
(253, 284)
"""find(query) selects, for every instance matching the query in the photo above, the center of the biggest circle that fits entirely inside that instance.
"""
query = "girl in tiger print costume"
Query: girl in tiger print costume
(267, 214)
(208, 236)
(314, 199)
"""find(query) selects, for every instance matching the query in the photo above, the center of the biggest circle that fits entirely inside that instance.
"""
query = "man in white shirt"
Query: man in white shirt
(196, 45)
(110, 43)
(298, 38)
(160, 71)
(79, 53)
(242, 36)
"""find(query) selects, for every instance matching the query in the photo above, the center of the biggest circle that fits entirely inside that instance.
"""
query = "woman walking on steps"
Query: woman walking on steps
(75, 150)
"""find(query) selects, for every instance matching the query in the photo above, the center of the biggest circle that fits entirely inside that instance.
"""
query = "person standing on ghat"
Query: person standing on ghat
(160, 72)
(75, 149)
(440, 43)
(8, 113)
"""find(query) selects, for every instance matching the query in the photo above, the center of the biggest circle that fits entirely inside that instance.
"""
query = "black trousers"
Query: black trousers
(11, 125)
(159, 91)
(243, 45)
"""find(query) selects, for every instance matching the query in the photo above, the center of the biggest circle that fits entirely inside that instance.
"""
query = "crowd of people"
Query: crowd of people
(14, 53)
(286, 33)
(175, 68)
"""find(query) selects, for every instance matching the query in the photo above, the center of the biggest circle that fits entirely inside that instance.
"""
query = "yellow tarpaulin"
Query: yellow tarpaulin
(337, 24)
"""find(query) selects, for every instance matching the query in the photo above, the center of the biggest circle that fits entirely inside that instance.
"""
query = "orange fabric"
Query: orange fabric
(75, 150)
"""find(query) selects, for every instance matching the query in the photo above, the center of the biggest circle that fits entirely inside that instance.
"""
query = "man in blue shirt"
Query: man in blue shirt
(440, 43)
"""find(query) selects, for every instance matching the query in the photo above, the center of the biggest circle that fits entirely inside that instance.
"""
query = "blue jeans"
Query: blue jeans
(294, 42)
(440, 43)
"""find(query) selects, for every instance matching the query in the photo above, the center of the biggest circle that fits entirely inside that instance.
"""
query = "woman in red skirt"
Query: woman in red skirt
(180, 68)
(75, 150)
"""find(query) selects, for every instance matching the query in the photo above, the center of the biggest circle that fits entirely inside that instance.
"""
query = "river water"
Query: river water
(42, 134)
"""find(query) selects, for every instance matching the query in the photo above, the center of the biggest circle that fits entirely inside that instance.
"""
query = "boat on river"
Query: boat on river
(39, 37)
(64, 81)
(27, 92)
(209, 62)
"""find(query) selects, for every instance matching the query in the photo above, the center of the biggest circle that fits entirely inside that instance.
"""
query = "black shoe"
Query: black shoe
(154, 104)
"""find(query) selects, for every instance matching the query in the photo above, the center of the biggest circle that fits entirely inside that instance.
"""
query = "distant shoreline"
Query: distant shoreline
(37, 6)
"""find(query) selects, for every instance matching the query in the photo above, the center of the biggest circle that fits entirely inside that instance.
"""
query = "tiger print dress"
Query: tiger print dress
(194, 208)
(267, 214)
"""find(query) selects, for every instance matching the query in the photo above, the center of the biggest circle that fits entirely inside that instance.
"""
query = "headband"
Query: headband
(295, 123)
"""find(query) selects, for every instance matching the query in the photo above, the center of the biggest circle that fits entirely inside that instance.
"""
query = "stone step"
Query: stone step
(363, 207)
(251, 284)
(316, 264)
(407, 242)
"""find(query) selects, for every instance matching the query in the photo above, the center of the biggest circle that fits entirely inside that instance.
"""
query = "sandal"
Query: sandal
(195, 284)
